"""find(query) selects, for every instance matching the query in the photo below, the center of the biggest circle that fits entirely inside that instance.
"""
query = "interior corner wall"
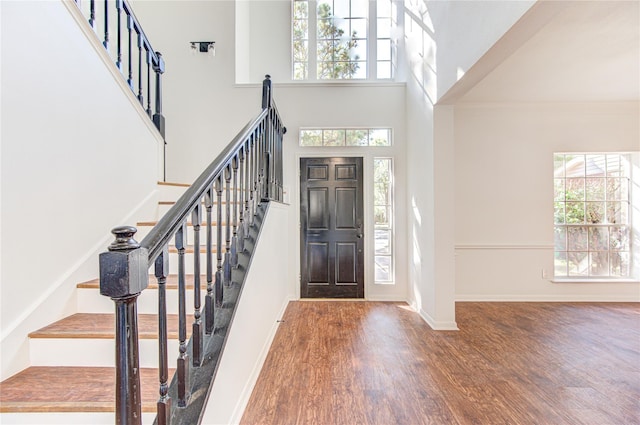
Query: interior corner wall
(465, 30)
(65, 183)
(504, 195)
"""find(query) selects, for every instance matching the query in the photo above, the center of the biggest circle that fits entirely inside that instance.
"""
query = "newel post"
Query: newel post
(266, 92)
(123, 276)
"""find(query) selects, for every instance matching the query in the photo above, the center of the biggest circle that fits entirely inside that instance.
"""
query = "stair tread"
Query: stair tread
(71, 389)
(172, 282)
(174, 184)
(102, 326)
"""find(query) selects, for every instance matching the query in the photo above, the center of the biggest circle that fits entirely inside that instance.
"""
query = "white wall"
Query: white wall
(77, 160)
(263, 300)
(504, 194)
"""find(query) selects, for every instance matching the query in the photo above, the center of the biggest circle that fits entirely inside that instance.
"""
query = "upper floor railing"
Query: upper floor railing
(117, 28)
(235, 187)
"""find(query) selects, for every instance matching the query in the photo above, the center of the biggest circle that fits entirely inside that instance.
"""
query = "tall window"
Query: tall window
(332, 39)
(383, 219)
(592, 215)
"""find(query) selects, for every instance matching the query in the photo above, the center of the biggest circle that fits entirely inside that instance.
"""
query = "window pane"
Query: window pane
(619, 238)
(577, 238)
(382, 268)
(595, 189)
(560, 238)
(595, 212)
(558, 189)
(382, 215)
(598, 239)
(558, 165)
(360, 8)
(358, 28)
(380, 137)
(599, 264)
(383, 8)
(384, 70)
(384, 27)
(383, 242)
(333, 137)
(384, 49)
(560, 264)
(574, 189)
(617, 212)
(577, 263)
(619, 263)
(617, 189)
(300, 9)
(574, 212)
(357, 137)
(310, 137)
(596, 165)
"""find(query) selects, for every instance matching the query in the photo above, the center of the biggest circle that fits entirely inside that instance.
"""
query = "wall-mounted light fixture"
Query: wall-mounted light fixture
(203, 47)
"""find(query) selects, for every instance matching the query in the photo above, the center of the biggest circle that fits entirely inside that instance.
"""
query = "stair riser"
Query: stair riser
(92, 352)
(90, 301)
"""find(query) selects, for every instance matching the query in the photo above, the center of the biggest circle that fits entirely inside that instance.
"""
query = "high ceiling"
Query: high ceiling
(588, 52)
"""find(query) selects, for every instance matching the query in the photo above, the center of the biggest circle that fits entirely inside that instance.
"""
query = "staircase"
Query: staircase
(72, 374)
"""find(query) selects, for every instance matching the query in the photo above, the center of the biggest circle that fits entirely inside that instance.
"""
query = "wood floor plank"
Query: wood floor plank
(510, 363)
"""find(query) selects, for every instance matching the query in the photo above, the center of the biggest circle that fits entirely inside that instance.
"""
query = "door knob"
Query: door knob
(359, 235)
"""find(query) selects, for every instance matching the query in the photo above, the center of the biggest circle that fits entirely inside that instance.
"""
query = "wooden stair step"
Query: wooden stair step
(174, 184)
(71, 389)
(189, 223)
(172, 282)
(102, 326)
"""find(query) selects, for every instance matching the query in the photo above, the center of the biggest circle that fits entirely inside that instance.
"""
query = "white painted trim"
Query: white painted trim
(437, 326)
(326, 84)
(92, 252)
(479, 247)
(547, 298)
(243, 400)
(90, 34)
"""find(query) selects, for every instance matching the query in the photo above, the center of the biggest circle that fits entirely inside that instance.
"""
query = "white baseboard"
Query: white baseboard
(546, 298)
(438, 325)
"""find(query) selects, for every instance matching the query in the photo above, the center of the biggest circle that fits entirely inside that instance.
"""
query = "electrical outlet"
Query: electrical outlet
(544, 274)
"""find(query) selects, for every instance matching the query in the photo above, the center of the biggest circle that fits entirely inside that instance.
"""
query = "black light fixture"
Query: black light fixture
(203, 47)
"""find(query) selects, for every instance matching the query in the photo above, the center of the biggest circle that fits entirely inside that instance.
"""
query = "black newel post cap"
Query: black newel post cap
(124, 268)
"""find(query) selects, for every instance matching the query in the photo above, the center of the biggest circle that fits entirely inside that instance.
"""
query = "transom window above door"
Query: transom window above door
(343, 39)
(345, 137)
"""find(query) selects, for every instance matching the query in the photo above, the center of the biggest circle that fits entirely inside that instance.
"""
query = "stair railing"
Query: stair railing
(122, 36)
(242, 179)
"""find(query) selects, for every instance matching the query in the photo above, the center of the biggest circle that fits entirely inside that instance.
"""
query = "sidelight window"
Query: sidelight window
(383, 219)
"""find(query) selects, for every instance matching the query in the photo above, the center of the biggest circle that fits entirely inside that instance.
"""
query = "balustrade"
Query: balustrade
(239, 178)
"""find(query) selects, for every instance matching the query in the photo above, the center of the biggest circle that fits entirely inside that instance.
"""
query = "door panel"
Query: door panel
(331, 217)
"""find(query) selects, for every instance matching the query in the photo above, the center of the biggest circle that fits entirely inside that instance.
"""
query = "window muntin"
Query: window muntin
(345, 137)
(592, 223)
(383, 219)
(332, 39)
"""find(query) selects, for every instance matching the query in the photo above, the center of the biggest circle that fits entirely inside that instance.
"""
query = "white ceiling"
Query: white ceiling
(588, 52)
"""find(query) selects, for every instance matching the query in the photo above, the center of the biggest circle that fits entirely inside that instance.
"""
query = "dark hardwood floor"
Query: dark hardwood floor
(510, 363)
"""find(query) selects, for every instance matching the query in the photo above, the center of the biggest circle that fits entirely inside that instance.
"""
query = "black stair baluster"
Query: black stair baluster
(119, 35)
(92, 14)
(130, 28)
(149, 111)
(241, 179)
(197, 334)
(140, 45)
(164, 402)
(227, 227)
(209, 300)
(219, 291)
(105, 43)
(183, 357)
(234, 215)
(252, 181)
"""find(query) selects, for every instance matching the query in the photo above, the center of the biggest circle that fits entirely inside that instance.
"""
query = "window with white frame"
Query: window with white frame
(345, 137)
(592, 215)
(383, 219)
(343, 39)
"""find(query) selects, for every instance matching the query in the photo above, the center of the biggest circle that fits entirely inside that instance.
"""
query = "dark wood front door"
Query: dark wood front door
(331, 217)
